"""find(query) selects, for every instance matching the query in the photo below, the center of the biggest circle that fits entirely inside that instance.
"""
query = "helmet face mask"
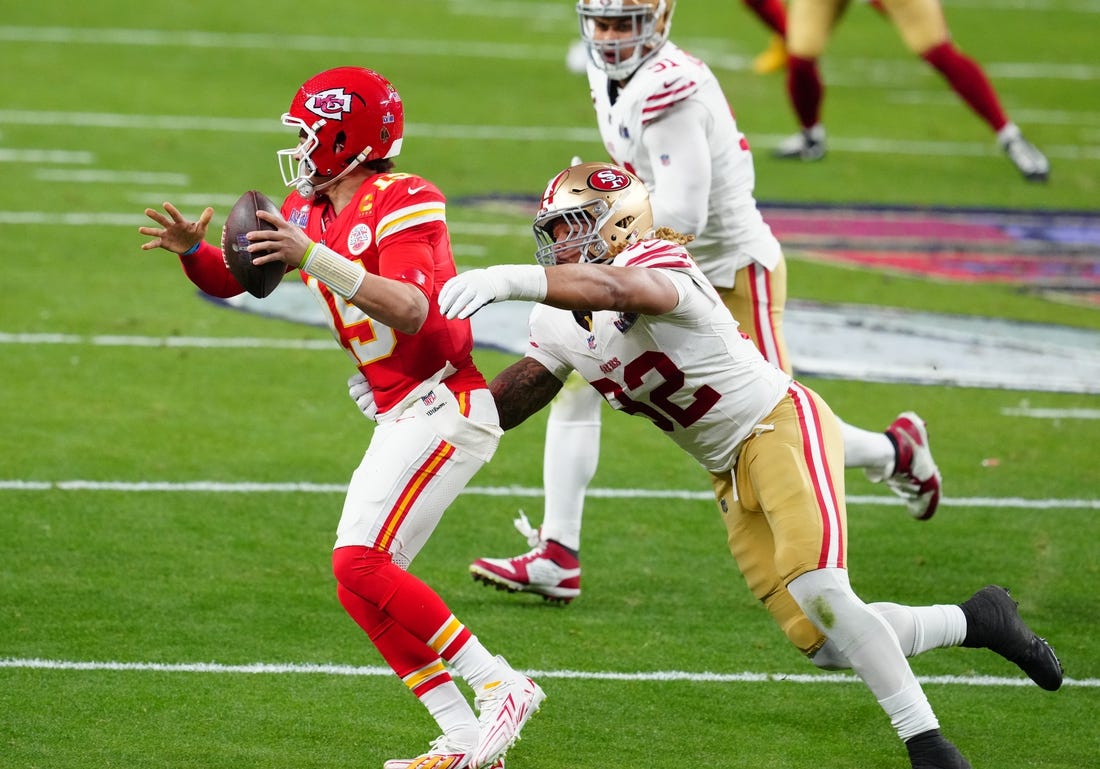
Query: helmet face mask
(639, 27)
(344, 117)
(589, 213)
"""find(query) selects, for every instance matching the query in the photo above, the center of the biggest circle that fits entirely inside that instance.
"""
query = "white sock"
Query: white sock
(476, 665)
(920, 628)
(863, 638)
(869, 450)
(453, 713)
(570, 458)
(1009, 132)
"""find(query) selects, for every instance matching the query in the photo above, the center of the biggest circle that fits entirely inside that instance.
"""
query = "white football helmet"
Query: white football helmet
(620, 56)
(606, 208)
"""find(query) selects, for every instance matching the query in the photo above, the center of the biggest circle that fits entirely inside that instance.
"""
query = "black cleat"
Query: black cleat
(931, 750)
(993, 622)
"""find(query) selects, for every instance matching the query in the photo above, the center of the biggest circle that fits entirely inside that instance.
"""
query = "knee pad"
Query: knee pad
(794, 623)
(364, 571)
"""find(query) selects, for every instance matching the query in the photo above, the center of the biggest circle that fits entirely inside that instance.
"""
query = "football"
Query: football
(258, 280)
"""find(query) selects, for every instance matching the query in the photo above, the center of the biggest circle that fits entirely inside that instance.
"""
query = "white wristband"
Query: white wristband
(341, 275)
(519, 281)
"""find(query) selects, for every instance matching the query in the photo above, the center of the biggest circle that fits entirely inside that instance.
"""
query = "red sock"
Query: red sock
(969, 82)
(805, 89)
(772, 13)
(412, 660)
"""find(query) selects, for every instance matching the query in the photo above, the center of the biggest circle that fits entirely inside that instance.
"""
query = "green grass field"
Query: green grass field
(165, 602)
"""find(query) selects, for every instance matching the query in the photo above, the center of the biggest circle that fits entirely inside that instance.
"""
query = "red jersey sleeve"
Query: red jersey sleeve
(410, 256)
(206, 269)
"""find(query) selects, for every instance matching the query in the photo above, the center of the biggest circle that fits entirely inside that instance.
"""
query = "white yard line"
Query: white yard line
(267, 668)
(571, 134)
(307, 487)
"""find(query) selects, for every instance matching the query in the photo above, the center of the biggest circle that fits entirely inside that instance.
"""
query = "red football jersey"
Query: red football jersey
(395, 227)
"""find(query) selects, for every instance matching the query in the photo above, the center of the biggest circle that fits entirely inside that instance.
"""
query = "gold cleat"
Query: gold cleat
(771, 59)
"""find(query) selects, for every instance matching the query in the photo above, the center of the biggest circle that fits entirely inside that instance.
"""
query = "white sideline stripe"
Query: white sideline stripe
(217, 487)
(1051, 413)
(175, 38)
(54, 219)
(112, 340)
(103, 176)
(870, 145)
(377, 671)
(45, 156)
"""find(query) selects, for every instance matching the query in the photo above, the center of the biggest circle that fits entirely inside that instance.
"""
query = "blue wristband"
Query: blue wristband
(192, 250)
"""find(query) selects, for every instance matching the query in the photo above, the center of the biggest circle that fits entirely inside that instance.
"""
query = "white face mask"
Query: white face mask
(620, 36)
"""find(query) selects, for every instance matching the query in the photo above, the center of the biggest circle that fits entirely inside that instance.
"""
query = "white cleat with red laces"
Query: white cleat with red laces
(503, 707)
(407, 763)
(441, 754)
(434, 759)
(550, 569)
(915, 477)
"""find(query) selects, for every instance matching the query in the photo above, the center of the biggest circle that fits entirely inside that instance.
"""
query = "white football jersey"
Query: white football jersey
(671, 125)
(690, 370)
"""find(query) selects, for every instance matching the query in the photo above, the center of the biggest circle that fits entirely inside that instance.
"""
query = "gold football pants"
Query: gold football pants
(783, 506)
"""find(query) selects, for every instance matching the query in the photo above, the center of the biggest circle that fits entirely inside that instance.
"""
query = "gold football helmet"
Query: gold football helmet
(650, 23)
(606, 208)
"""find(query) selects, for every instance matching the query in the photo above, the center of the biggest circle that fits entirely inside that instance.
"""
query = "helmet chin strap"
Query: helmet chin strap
(307, 188)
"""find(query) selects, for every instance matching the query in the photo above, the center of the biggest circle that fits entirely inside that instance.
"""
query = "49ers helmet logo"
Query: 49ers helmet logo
(330, 104)
(608, 180)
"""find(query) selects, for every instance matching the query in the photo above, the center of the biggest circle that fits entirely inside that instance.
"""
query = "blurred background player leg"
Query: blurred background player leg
(809, 24)
(923, 28)
(774, 16)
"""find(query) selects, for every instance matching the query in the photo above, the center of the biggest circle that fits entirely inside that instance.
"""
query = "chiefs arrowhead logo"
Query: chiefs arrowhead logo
(330, 104)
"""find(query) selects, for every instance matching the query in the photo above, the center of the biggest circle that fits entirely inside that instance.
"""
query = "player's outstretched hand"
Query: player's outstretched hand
(468, 292)
(174, 233)
(465, 294)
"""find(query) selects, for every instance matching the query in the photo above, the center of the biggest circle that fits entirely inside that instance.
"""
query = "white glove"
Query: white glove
(360, 391)
(576, 161)
(465, 294)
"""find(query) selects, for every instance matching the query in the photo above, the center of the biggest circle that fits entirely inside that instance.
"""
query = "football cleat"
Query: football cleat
(993, 622)
(550, 569)
(441, 754)
(503, 708)
(1027, 158)
(771, 59)
(405, 763)
(915, 477)
(808, 144)
(931, 750)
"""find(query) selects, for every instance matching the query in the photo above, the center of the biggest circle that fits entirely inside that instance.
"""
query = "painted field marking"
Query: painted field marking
(266, 668)
(1036, 413)
(306, 487)
(469, 132)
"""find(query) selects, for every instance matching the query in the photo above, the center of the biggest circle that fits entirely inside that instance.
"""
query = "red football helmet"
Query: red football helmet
(344, 116)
